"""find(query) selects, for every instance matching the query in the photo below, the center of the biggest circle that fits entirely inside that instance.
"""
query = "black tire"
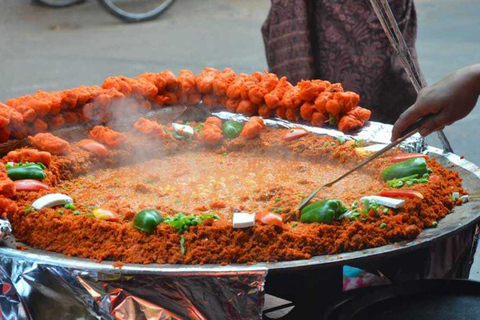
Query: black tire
(58, 3)
(135, 17)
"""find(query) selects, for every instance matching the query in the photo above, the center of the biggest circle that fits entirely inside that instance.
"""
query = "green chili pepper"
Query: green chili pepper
(147, 220)
(415, 166)
(324, 211)
(179, 136)
(26, 171)
(231, 129)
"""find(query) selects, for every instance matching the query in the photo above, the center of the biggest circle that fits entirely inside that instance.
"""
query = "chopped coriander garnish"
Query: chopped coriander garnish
(354, 205)
(277, 200)
(278, 210)
(225, 154)
(70, 206)
(354, 215)
(332, 144)
(90, 215)
(341, 140)
(29, 209)
(60, 212)
(294, 225)
(182, 222)
(76, 213)
(358, 142)
(385, 210)
(383, 225)
(434, 224)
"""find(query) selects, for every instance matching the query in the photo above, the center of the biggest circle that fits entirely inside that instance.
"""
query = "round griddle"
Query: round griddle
(464, 216)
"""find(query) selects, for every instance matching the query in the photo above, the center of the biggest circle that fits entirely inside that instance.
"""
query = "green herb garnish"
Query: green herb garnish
(383, 225)
(70, 206)
(278, 210)
(29, 209)
(182, 222)
(341, 140)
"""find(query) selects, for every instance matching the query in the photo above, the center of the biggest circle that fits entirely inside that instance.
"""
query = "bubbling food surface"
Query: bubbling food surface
(216, 182)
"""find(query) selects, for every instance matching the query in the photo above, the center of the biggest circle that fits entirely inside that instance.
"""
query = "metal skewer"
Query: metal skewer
(394, 35)
(358, 166)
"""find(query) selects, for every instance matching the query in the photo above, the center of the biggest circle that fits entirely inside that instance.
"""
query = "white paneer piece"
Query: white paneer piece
(182, 129)
(385, 201)
(51, 200)
(243, 220)
(464, 198)
(375, 147)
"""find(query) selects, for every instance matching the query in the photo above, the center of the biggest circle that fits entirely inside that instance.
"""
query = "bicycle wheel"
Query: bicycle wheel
(58, 3)
(136, 10)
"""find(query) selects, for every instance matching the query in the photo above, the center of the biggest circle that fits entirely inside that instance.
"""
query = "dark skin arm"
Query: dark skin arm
(445, 102)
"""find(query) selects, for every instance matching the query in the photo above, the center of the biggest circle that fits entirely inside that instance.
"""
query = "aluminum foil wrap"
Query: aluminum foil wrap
(31, 288)
(41, 285)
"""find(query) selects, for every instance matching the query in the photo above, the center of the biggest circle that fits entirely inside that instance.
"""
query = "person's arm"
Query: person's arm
(445, 102)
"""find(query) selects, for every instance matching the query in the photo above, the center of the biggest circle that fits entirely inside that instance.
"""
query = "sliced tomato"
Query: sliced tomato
(105, 214)
(433, 178)
(269, 218)
(94, 147)
(374, 213)
(401, 194)
(29, 185)
(293, 134)
(408, 157)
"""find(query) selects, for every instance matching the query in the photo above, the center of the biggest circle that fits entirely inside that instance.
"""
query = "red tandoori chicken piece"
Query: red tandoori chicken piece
(252, 128)
(50, 143)
(212, 131)
(107, 136)
(29, 155)
(354, 119)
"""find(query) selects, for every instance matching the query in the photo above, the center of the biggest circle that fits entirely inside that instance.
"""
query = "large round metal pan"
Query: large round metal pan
(463, 217)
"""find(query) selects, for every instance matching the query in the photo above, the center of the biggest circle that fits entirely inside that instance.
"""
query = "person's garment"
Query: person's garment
(343, 41)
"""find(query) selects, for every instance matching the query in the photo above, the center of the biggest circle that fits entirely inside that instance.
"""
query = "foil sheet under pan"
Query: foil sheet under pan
(42, 285)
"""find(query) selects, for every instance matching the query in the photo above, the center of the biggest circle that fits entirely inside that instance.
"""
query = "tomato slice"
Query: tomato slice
(269, 218)
(408, 157)
(105, 214)
(293, 134)
(401, 194)
(29, 185)
(94, 147)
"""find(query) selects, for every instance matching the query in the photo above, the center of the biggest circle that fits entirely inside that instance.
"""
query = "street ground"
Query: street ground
(44, 48)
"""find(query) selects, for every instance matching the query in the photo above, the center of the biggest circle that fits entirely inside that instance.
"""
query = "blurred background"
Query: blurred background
(54, 49)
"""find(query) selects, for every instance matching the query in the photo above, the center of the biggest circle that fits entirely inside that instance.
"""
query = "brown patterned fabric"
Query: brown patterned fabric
(342, 41)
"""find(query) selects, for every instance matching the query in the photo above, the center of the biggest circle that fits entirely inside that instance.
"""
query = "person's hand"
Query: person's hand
(445, 102)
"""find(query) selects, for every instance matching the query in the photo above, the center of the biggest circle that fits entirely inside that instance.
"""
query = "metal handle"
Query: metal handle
(394, 35)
